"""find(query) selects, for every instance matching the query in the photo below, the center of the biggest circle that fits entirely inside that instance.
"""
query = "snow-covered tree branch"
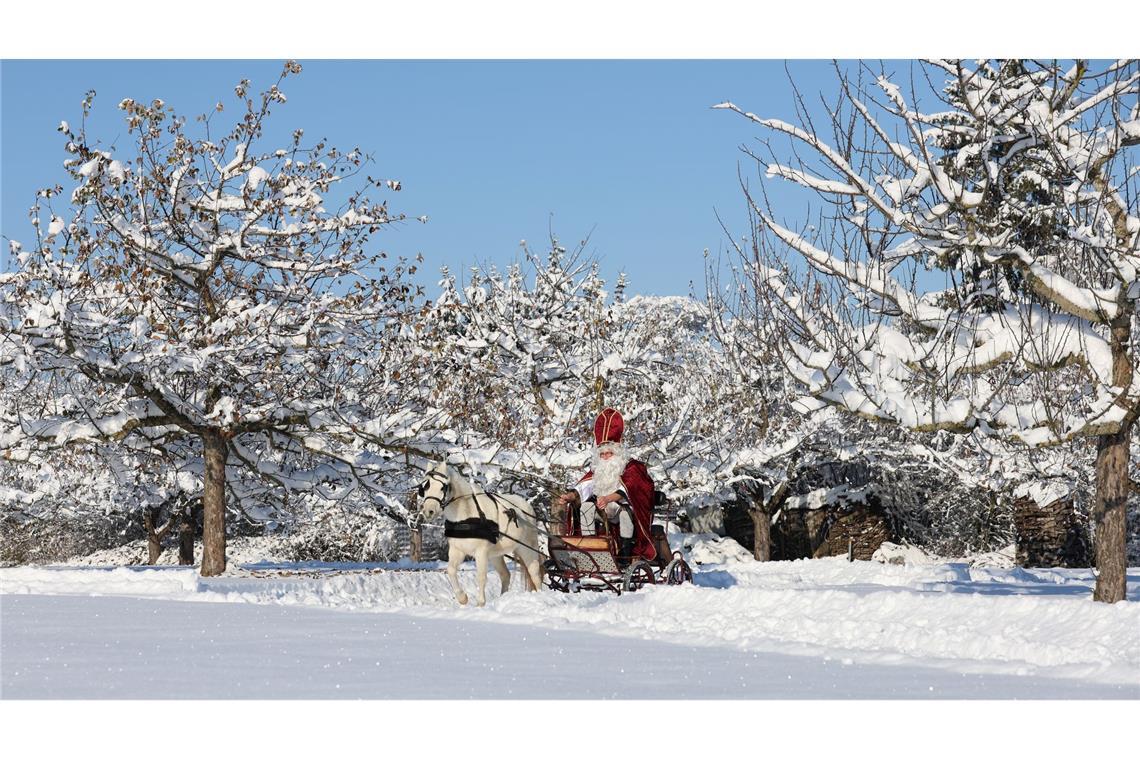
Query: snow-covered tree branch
(988, 254)
(214, 299)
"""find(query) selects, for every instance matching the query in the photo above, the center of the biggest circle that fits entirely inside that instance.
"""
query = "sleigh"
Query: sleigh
(590, 563)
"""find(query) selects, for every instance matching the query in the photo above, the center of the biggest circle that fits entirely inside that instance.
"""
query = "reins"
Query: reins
(510, 511)
(540, 524)
(512, 515)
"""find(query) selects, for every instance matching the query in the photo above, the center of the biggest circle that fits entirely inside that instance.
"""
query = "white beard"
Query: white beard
(607, 472)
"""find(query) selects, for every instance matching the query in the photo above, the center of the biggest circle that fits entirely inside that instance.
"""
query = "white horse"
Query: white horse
(472, 515)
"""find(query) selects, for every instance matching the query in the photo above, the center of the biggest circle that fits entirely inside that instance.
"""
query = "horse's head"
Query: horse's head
(434, 491)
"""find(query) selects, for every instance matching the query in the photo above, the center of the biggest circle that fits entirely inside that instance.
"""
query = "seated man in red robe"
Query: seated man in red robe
(617, 492)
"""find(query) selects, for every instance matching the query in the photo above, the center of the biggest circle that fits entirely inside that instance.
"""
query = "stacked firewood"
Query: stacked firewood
(1053, 535)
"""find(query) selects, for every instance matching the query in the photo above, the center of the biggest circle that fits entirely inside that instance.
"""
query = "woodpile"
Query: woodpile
(830, 532)
(861, 529)
(825, 532)
(1052, 535)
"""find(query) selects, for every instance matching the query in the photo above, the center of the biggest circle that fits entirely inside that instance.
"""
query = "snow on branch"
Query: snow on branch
(203, 292)
(1007, 192)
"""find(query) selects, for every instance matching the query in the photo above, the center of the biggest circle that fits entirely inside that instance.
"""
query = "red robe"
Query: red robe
(639, 488)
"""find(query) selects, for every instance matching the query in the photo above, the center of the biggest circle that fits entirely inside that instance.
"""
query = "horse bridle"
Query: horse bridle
(439, 477)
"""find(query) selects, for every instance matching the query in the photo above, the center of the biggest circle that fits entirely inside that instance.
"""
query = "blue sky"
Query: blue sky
(493, 152)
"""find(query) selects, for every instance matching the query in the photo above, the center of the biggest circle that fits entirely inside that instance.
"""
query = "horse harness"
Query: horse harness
(475, 527)
(481, 527)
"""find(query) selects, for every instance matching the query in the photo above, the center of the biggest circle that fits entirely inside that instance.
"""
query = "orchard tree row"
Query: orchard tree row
(205, 315)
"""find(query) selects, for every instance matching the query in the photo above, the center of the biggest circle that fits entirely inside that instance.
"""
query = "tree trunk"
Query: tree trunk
(417, 544)
(186, 537)
(1110, 516)
(215, 450)
(763, 507)
(1110, 511)
(762, 534)
(155, 535)
(153, 542)
(557, 516)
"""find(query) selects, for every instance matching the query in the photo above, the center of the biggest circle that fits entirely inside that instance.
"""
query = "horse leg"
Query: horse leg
(528, 583)
(454, 557)
(520, 560)
(533, 570)
(481, 576)
(504, 573)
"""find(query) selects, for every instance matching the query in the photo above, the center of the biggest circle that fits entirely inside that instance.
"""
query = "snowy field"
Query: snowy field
(820, 629)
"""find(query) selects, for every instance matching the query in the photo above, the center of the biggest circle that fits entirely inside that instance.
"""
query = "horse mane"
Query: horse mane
(460, 485)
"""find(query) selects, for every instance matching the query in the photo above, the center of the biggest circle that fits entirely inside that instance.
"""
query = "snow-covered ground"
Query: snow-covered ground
(785, 630)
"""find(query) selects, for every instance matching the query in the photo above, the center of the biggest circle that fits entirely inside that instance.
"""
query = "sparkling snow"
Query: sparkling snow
(786, 630)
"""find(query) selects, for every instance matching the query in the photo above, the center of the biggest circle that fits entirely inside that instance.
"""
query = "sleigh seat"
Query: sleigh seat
(585, 554)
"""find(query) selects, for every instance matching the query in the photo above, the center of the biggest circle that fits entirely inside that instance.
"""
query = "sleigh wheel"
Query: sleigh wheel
(677, 572)
(638, 574)
(555, 580)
